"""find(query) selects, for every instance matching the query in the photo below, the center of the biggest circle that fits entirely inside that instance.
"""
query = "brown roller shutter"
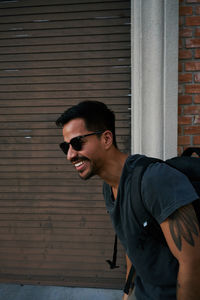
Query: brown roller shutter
(54, 228)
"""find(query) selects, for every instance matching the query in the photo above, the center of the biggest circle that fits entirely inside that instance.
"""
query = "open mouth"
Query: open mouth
(80, 165)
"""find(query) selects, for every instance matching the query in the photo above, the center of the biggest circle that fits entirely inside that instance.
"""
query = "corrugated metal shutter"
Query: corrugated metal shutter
(53, 53)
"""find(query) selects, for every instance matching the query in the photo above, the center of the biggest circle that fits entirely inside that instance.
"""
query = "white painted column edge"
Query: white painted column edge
(162, 98)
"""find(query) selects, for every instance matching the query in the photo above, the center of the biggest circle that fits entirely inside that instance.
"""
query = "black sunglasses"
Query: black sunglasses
(77, 142)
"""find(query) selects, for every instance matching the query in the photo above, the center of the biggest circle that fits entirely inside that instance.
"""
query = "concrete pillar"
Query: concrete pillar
(154, 35)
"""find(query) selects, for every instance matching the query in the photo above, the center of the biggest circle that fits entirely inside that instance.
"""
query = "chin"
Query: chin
(86, 176)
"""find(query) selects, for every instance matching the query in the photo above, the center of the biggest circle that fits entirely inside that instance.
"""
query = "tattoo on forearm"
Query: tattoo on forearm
(183, 224)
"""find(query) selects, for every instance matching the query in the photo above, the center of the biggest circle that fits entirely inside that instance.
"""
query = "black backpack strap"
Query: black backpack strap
(143, 217)
(188, 152)
(112, 263)
(141, 214)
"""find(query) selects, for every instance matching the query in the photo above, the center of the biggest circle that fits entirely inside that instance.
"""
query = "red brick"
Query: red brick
(182, 120)
(180, 67)
(184, 140)
(192, 88)
(192, 43)
(192, 21)
(197, 53)
(180, 89)
(185, 99)
(185, 54)
(181, 20)
(196, 140)
(197, 31)
(192, 130)
(185, 10)
(180, 44)
(192, 110)
(186, 32)
(192, 66)
(197, 99)
(179, 110)
(180, 131)
(185, 77)
(198, 10)
(197, 77)
(196, 119)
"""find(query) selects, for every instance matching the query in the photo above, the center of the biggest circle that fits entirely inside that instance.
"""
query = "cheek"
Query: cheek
(93, 152)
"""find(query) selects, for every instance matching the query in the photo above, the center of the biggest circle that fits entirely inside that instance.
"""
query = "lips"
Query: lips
(80, 164)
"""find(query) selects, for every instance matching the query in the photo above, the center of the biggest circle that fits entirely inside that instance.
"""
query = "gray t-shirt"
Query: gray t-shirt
(164, 190)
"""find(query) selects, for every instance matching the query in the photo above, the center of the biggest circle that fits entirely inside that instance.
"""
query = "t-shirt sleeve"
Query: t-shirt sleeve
(164, 189)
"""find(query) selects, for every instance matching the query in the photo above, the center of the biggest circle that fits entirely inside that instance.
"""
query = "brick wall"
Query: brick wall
(189, 74)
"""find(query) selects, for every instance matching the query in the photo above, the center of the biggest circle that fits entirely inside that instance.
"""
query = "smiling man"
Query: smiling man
(162, 271)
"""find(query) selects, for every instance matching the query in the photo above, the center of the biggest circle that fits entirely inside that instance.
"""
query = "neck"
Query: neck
(113, 166)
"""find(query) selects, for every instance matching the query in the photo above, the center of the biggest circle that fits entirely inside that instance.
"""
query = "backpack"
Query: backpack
(186, 164)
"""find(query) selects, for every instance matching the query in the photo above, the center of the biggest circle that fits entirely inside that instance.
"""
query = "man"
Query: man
(163, 272)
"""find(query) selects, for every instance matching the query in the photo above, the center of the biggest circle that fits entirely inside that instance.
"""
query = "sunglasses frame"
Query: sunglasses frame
(64, 146)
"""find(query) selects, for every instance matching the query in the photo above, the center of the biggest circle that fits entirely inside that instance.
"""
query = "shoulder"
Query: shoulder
(161, 173)
(165, 189)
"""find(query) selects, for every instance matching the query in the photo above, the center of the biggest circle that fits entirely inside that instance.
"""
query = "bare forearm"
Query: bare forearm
(188, 285)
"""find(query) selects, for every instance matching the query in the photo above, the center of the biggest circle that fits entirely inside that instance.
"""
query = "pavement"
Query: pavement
(30, 292)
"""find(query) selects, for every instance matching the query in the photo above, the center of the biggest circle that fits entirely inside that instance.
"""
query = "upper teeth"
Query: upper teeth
(78, 164)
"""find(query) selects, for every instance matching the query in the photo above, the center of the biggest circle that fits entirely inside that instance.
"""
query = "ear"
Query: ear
(107, 139)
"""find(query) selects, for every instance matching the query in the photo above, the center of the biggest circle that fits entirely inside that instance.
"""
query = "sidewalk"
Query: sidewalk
(29, 292)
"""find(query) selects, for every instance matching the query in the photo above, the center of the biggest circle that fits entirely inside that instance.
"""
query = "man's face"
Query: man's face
(88, 160)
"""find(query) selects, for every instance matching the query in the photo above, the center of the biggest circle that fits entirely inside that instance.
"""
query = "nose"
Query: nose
(71, 153)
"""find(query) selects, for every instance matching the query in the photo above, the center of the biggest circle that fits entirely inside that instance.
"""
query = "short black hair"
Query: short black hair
(96, 114)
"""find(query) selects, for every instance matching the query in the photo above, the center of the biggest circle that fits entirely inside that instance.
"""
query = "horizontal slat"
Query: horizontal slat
(62, 245)
(61, 94)
(47, 220)
(120, 110)
(76, 281)
(116, 104)
(102, 270)
(24, 3)
(67, 8)
(49, 210)
(77, 40)
(95, 79)
(65, 87)
(65, 56)
(93, 46)
(47, 235)
(10, 70)
(59, 232)
(69, 224)
(35, 198)
(52, 17)
(65, 32)
(11, 27)
(40, 258)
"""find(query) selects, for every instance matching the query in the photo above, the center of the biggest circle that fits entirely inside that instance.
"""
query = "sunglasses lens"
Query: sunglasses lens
(64, 147)
(76, 143)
